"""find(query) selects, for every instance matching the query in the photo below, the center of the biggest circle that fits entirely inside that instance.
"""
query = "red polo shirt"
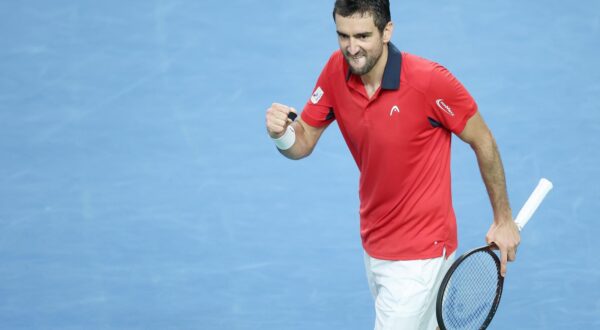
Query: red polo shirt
(400, 140)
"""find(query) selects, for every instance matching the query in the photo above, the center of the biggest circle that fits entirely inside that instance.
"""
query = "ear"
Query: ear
(387, 32)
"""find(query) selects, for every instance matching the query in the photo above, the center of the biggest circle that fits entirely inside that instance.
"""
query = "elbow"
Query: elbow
(301, 156)
(483, 142)
(295, 155)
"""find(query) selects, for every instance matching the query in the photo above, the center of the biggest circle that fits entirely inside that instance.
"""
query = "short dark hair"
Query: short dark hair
(380, 9)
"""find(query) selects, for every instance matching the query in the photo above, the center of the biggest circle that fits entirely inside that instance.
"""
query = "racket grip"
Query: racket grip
(533, 202)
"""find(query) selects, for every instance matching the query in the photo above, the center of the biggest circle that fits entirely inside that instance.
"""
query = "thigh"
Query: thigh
(403, 290)
(429, 321)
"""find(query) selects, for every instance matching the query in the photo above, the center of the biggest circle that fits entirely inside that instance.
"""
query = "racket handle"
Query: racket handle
(534, 200)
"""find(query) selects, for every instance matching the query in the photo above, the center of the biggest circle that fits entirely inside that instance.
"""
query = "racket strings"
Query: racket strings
(471, 293)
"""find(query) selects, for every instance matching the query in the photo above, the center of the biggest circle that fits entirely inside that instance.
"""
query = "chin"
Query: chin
(358, 71)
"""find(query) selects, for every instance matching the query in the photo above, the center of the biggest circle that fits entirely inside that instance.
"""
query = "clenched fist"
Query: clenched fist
(278, 119)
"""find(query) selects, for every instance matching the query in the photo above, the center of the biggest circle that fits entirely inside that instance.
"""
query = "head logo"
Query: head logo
(317, 95)
(440, 103)
(394, 109)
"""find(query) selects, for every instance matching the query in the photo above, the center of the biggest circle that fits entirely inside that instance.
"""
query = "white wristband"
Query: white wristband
(287, 140)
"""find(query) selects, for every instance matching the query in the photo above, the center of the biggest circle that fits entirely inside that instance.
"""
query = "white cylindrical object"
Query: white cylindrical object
(534, 200)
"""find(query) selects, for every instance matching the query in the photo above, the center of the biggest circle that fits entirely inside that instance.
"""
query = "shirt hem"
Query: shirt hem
(313, 122)
(403, 257)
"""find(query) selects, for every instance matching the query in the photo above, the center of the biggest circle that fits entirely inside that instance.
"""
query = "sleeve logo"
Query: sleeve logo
(444, 107)
(317, 95)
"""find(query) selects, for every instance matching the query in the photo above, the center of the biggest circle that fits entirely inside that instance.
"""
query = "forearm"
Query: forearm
(492, 173)
(294, 138)
(302, 146)
(503, 231)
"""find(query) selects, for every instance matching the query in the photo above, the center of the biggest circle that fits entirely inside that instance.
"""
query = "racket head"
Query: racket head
(470, 292)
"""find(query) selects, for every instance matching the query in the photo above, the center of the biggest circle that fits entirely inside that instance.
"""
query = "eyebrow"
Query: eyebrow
(360, 34)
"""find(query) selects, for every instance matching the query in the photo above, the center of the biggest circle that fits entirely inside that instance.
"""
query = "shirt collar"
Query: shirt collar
(393, 67)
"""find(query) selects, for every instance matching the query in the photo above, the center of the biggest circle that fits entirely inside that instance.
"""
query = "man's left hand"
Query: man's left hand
(505, 235)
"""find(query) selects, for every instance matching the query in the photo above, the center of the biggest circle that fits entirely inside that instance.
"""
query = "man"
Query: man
(397, 113)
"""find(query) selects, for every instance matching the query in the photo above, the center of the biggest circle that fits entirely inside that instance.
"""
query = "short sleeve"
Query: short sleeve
(450, 103)
(318, 111)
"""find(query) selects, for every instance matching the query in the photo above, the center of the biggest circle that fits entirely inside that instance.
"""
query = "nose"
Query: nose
(352, 47)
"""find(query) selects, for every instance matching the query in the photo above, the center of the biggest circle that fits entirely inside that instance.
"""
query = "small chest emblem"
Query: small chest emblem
(395, 109)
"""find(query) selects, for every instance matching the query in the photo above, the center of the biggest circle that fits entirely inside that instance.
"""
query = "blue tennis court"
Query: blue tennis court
(139, 189)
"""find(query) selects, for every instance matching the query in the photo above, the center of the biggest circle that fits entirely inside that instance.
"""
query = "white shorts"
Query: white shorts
(405, 292)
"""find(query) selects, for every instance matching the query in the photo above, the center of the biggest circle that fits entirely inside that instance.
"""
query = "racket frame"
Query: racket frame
(496, 302)
(533, 202)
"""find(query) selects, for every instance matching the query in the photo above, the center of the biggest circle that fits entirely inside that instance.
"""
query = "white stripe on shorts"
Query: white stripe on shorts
(405, 291)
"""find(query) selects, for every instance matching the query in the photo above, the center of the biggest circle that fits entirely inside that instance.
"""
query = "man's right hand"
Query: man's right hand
(277, 119)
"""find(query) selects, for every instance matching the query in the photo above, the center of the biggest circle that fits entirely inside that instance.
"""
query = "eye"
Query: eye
(342, 36)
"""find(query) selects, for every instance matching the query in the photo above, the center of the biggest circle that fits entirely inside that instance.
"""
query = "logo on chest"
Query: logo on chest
(394, 110)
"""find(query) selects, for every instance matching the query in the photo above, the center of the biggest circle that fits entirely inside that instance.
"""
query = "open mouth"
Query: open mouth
(356, 60)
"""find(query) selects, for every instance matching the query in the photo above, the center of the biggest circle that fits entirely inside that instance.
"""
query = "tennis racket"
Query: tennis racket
(470, 292)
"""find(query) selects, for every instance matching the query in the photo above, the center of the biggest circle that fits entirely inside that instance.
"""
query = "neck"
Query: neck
(372, 79)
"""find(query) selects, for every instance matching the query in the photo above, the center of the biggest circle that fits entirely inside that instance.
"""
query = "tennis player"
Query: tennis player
(397, 113)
